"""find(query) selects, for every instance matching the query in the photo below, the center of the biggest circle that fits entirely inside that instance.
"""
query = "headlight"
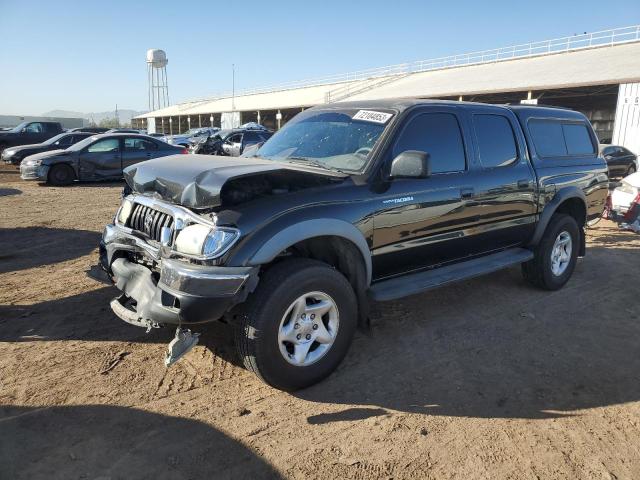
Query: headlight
(34, 162)
(125, 211)
(202, 241)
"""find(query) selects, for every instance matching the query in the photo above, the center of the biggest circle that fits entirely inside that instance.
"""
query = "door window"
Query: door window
(496, 141)
(439, 135)
(237, 138)
(65, 141)
(34, 127)
(106, 145)
(138, 144)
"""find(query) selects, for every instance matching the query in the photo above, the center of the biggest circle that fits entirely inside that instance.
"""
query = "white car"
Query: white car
(625, 202)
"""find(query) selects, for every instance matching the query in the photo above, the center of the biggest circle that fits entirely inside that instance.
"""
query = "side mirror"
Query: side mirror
(411, 164)
(24, 130)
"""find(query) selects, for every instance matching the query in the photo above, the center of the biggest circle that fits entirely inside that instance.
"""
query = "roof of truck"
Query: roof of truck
(401, 104)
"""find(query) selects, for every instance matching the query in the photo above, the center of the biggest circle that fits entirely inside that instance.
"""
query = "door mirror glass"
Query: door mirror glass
(411, 164)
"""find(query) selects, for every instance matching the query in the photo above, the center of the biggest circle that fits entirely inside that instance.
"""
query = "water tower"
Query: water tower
(157, 74)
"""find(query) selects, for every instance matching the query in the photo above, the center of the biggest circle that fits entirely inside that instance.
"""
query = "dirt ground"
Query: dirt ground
(489, 378)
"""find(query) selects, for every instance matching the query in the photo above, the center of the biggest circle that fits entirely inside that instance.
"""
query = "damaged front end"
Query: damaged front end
(162, 259)
(165, 249)
(160, 256)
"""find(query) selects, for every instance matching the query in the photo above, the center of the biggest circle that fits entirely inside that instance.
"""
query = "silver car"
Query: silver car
(191, 136)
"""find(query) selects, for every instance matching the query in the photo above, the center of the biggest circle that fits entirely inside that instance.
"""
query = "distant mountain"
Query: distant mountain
(124, 115)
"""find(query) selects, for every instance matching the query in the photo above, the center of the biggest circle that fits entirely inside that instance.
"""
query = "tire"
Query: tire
(61, 175)
(270, 310)
(541, 271)
(632, 169)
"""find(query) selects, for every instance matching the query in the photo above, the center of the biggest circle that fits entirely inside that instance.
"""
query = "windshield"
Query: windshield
(18, 128)
(83, 143)
(334, 139)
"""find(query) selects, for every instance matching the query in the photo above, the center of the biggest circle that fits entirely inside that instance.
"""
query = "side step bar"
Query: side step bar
(413, 283)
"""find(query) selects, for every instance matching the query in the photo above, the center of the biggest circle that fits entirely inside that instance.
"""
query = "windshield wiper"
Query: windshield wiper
(315, 163)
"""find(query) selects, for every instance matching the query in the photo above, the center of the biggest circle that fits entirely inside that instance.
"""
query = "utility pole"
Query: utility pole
(233, 87)
(117, 119)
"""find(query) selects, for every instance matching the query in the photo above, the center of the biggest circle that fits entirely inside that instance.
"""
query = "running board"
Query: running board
(413, 283)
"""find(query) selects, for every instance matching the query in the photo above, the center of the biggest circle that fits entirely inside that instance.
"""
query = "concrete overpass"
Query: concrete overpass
(597, 73)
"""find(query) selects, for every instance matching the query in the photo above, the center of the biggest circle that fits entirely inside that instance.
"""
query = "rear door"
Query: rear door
(101, 159)
(136, 149)
(503, 201)
(422, 221)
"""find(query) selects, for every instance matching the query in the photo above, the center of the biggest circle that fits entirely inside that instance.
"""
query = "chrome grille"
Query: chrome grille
(149, 221)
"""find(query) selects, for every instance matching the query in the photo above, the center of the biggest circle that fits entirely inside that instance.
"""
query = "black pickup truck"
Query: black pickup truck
(348, 203)
(28, 133)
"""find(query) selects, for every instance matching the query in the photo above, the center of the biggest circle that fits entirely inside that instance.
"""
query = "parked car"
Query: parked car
(231, 142)
(90, 129)
(624, 204)
(621, 161)
(356, 201)
(15, 155)
(98, 157)
(29, 133)
(191, 136)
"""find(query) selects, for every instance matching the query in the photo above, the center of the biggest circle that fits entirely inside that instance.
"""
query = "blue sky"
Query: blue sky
(89, 55)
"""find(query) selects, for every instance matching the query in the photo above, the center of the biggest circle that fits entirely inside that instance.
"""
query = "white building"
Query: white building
(597, 73)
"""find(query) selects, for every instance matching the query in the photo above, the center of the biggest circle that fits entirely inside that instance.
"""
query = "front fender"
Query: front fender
(307, 229)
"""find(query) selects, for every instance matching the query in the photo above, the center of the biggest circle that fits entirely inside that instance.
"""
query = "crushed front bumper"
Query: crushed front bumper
(34, 172)
(178, 293)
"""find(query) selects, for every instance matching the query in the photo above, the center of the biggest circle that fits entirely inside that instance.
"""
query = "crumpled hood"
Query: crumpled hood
(49, 154)
(195, 181)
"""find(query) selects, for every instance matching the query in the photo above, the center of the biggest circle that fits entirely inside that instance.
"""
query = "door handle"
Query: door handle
(466, 192)
(524, 183)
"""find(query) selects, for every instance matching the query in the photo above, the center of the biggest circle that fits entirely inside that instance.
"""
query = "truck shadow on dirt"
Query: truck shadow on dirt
(87, 316)
(489, 347)
(94, 441)
(6, 192)
(495, 347)
(29, 247)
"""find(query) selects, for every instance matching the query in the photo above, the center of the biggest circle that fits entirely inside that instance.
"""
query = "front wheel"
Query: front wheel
(297, 326)
(556, 254)
(61, 175)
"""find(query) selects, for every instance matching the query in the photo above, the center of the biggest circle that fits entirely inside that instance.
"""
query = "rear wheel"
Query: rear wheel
(61, 175)
(632, 169)
(297, 326)
(556, 254)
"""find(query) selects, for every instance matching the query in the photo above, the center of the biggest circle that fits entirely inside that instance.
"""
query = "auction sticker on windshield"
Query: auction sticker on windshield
(371, 116)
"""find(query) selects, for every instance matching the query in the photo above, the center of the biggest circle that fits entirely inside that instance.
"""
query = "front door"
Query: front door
(421, 222)
(100, 160)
